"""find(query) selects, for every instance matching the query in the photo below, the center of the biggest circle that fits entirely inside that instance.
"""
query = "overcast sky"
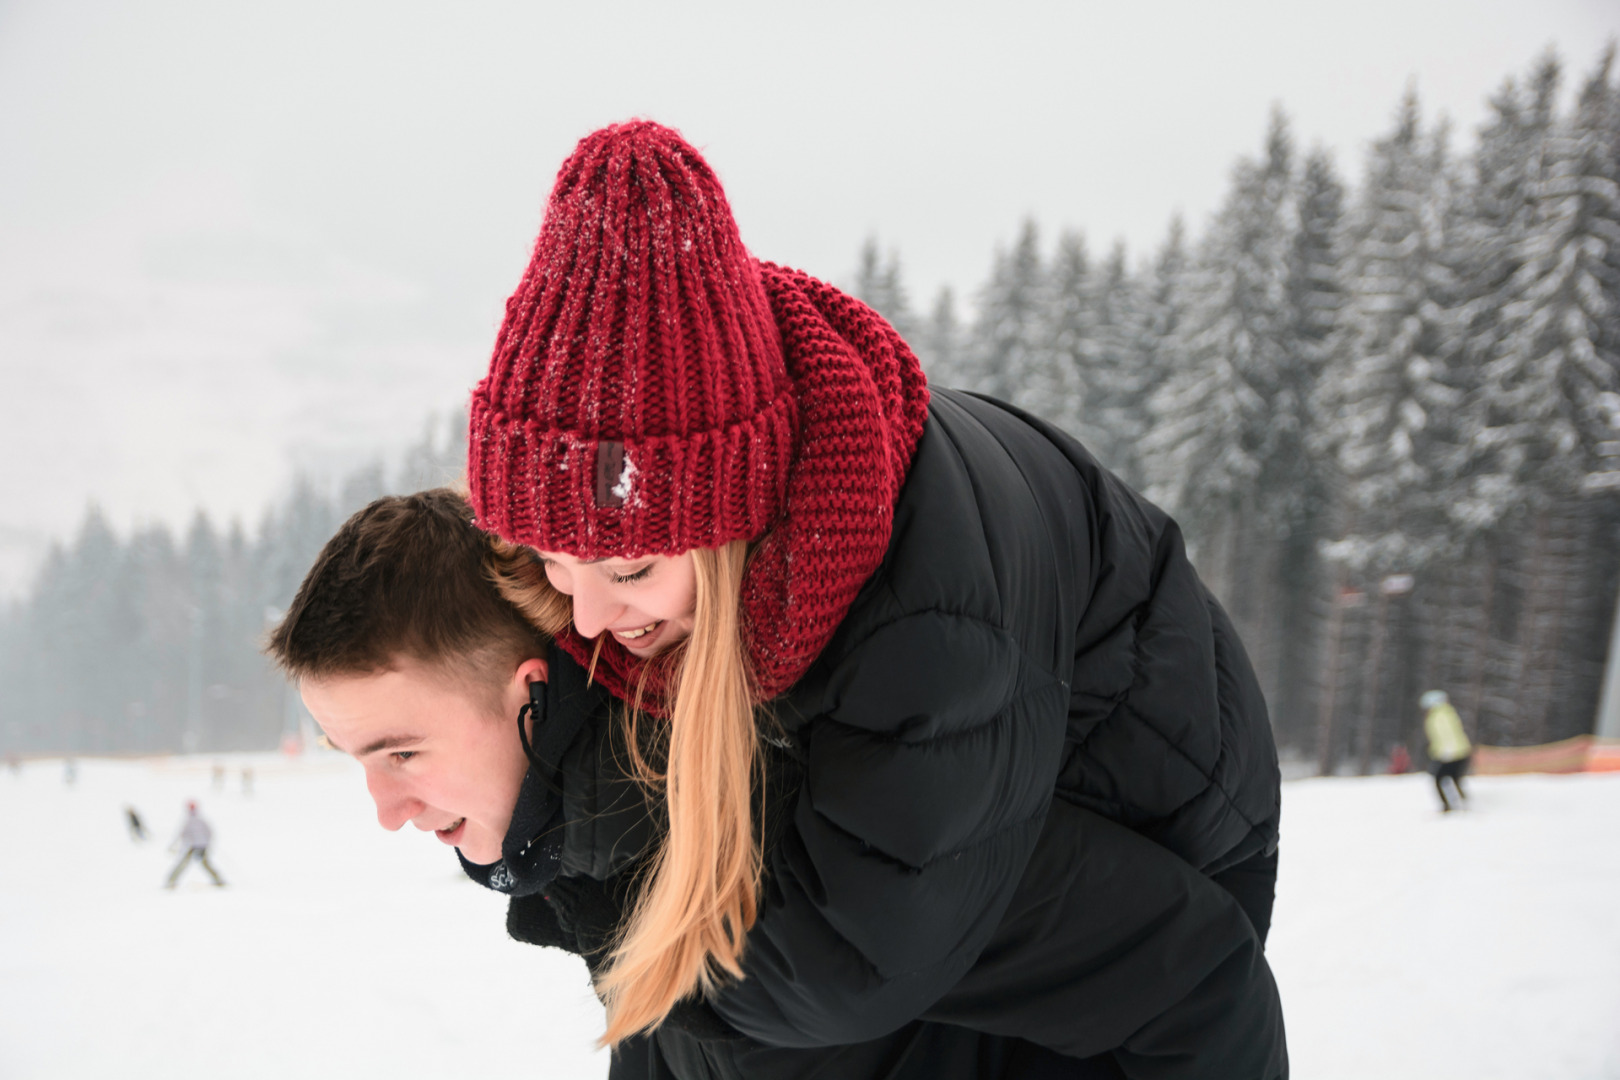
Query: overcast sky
(240, 239)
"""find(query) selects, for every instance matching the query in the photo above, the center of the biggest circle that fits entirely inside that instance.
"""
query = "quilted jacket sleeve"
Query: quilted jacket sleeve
(1112, 943)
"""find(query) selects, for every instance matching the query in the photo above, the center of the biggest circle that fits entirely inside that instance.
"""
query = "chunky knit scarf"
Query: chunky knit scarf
(862, 401)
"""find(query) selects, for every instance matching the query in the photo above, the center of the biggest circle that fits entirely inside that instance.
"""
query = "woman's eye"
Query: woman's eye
(624, 579)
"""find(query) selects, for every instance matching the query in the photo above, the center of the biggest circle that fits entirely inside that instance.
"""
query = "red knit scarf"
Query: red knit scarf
(862, 402)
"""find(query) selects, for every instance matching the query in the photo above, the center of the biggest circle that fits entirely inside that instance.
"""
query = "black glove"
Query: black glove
(532, 920)
(586, 914)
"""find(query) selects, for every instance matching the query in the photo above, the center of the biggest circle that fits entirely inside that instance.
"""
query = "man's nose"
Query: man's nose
(395, 806)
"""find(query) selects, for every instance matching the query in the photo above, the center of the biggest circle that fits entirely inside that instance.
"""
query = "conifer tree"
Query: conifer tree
(1164, 305)
(1391, 394)
(1495, 236)
(1552, 365)
(1213, 433)
(1557, 355)
(1119, 379)
(878, 285)
(1060, 387)
(1293, 478)
(1297, 486)
(205, 576)
(940, 345)
(156, 694)
(1007, 344)
(439, 457)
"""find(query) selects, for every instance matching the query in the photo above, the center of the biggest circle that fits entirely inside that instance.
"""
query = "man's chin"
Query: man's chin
(479, 851)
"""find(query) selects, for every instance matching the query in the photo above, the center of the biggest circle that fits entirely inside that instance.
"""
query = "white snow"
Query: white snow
(1481, 944)
(1407, 944)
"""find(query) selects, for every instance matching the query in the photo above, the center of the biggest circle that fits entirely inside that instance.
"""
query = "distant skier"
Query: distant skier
(1449, 748)
(195, 835)
(137, 827)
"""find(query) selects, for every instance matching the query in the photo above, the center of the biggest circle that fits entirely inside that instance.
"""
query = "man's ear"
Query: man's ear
(531, 671)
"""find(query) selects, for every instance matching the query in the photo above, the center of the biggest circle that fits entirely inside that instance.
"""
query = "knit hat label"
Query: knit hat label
(612, 474)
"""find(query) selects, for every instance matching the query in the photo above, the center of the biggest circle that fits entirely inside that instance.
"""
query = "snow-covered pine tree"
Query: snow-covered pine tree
(1387, 405)
(1164, 305)
(205, 574)
(878, 285)
(1486, 498)
(70, 633)
(1557, 354)
(1119, 381)
(290, 537)
(156, 698)
(439, 457)
(1213, 431)
(1008, 343)
(1390, 392)
(1064, 367)
(1553, 364)
(1297, 486)
(1493, 237)
(940, 345)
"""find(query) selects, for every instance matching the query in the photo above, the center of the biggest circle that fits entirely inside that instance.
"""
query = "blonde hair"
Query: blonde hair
(699, 895)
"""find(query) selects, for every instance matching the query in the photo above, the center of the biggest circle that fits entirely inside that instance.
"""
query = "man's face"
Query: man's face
(436, 753)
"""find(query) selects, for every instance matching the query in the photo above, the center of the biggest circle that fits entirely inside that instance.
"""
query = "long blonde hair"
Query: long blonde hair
(699, 895)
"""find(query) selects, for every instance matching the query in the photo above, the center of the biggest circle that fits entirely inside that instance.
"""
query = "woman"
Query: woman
(944, 738)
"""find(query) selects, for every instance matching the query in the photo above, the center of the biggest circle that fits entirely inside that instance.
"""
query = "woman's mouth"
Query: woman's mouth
(633, 635)
(451, 834)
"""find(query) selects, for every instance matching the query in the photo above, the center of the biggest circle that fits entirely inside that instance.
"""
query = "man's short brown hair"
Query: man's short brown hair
(405, 577)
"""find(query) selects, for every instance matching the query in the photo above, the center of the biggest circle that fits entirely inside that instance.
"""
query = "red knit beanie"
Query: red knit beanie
(637, 402)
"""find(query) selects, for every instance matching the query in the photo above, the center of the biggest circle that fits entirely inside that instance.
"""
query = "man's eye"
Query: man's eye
(622, 579)
(404, 755)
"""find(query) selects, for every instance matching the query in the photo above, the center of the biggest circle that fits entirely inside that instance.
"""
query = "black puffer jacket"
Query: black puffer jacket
(1031, 740)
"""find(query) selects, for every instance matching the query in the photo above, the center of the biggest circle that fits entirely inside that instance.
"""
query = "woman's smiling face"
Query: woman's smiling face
(646, 603)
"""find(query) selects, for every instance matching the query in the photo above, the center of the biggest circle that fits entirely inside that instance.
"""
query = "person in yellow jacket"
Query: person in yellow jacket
(1449, 748)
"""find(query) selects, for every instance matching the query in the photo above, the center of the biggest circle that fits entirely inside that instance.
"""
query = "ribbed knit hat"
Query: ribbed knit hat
(637, 401)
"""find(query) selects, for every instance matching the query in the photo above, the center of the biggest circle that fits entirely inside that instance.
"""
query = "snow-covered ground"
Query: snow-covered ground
(1407, 943)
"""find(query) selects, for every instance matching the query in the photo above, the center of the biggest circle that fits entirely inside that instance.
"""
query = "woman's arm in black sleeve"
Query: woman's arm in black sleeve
(1112, 943)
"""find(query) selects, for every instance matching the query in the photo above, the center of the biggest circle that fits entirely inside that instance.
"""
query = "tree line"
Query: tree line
(1386, 417)
(151, 643)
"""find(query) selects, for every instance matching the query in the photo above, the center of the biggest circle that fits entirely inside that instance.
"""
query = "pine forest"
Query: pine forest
(1384, 409)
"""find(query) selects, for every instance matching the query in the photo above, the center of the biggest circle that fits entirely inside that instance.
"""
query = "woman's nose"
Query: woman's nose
(594, 609)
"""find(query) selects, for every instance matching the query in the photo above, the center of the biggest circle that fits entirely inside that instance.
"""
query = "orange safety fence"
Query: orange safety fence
(1583, 753)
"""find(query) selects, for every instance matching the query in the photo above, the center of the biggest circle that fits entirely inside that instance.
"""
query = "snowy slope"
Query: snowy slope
(1407, 944)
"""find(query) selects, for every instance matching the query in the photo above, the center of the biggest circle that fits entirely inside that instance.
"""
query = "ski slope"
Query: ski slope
(1407, 944)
